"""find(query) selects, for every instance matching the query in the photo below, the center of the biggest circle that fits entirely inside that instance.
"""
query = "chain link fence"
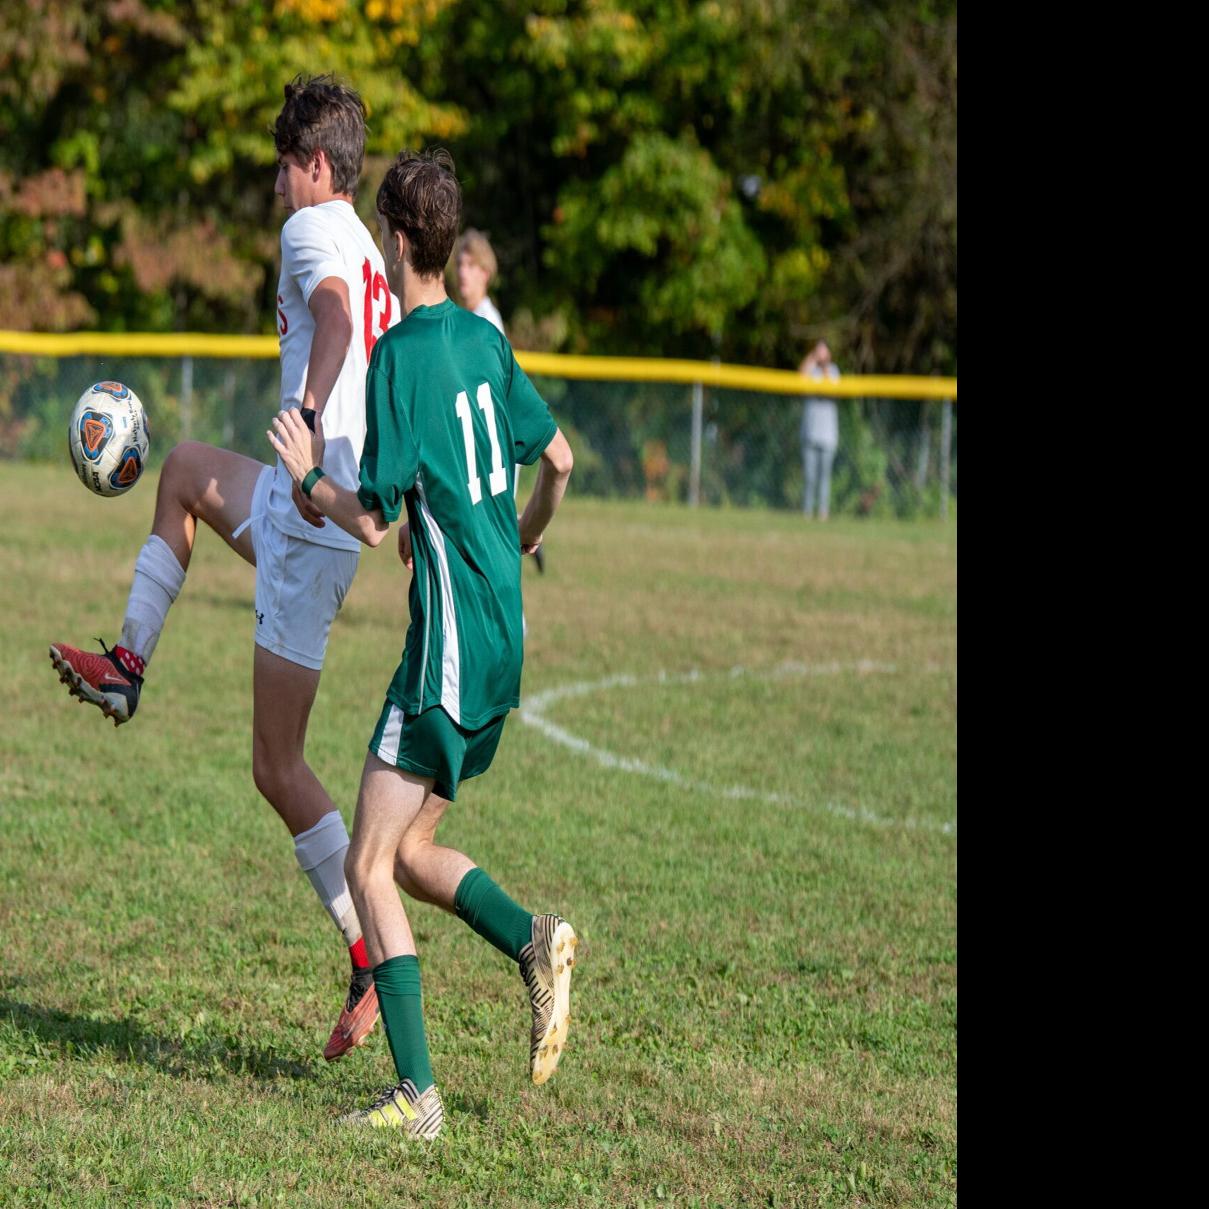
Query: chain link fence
(687, 442)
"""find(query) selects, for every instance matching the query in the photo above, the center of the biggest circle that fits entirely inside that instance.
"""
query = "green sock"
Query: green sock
(398, 983)
(492, 914)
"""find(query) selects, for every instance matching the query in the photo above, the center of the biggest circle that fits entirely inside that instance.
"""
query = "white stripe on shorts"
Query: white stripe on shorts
(388, 747)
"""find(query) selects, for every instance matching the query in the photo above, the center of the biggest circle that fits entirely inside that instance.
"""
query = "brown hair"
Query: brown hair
(420, 196)
(477, 246)
(321, 115)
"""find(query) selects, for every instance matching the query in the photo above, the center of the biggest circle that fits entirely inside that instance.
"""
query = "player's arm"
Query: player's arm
(552, 476)
(292, 440)
(329, 305)
(332, 312)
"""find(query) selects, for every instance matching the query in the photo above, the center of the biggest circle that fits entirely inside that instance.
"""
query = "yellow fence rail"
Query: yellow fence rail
(553, 365)
(699, 375)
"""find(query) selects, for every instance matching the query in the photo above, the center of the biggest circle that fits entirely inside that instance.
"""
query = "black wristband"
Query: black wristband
(308, 417)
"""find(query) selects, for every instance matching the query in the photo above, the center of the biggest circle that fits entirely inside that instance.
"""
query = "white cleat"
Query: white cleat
(546, 963)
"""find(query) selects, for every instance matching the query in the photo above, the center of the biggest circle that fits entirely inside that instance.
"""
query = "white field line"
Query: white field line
(533, 713)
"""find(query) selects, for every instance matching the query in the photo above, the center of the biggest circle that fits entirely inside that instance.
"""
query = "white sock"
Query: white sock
(158, 579)
(320, 852)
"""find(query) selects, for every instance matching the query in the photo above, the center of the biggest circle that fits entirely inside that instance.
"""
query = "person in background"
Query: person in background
(477, 268)
(820, 433)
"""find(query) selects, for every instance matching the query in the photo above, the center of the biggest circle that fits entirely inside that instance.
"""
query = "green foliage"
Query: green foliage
(666, 202)
(136, 168)
(673, 177)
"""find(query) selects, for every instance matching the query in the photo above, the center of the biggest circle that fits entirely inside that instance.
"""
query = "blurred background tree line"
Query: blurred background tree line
(726, 178)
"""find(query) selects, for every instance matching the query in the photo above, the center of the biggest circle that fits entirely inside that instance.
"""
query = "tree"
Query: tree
(136, 168)
(696, 178)
(675, 177)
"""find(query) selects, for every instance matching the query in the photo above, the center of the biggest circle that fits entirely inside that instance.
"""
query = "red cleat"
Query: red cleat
(357, 1018)
(110, 681)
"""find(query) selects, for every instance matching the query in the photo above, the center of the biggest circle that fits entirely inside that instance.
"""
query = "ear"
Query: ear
(402, 247)
(315, 167)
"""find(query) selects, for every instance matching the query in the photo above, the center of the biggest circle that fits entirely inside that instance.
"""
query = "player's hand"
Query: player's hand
(292, 439)
(527, 545)
(405, 547)
(295, 442)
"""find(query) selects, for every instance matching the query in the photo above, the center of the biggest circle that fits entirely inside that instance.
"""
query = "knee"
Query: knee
(361, 868)
(272, 773)
(408, 859)
(180, 460)
(354, 865)
(262, 773)
(405, 871)
(179, 474)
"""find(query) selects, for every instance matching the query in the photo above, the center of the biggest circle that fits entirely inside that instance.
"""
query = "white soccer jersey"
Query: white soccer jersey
(318, 242)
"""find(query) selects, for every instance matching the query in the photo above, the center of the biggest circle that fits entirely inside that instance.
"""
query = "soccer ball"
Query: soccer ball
(108, 438)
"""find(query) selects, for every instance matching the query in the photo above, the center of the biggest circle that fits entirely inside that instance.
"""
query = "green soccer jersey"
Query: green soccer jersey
(448, 412)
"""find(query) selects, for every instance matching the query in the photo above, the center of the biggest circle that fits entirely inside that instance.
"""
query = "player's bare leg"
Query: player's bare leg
(424, 869)
(388, 803)
(282, 696)
(543, 946)
(203, 482)
(198, 482)
(389, 800)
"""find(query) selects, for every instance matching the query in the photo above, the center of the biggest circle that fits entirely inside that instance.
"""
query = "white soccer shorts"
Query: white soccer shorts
(300, 585)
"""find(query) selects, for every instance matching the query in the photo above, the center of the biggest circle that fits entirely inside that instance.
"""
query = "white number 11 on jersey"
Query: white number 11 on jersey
(498, 479)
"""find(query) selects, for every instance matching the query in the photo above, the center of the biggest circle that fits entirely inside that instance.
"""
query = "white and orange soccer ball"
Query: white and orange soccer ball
(108, 438)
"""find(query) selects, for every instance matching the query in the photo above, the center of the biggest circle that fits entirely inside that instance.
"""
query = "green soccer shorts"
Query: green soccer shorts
(431, 744)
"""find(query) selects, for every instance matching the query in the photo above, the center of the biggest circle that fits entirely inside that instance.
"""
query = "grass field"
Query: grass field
(734, 773)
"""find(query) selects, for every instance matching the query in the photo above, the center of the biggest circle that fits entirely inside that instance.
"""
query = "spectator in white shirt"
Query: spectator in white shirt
(820, 433)
(476, 270)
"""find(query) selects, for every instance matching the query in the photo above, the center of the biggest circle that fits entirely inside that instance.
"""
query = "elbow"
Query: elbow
(559, 457)
(372, 536)
(343, 327)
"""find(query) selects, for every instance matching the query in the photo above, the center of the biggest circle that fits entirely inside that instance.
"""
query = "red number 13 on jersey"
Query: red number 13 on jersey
(375, 285)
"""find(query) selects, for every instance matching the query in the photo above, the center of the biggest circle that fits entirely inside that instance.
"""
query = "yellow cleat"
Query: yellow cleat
(402, 1107)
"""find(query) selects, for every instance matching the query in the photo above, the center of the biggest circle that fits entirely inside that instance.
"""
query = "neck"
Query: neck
(420, 291)
(472, 300)
(322, 196)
